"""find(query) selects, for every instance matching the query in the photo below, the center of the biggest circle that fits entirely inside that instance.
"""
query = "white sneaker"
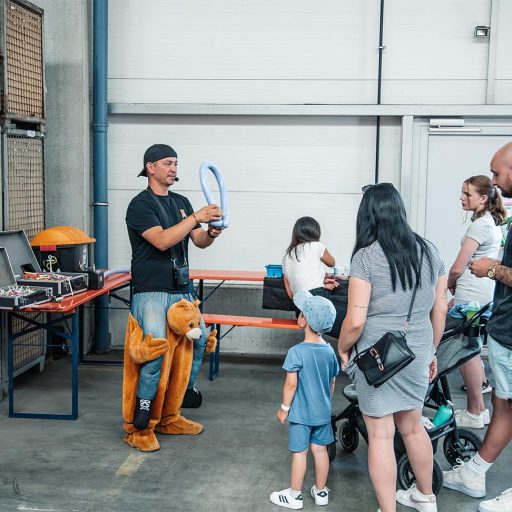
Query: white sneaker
(417, 500)
(486, 417)
(464, 418)
(486, 386)
(321, 497)
(284, 499)
(463, 479)
(502, 503)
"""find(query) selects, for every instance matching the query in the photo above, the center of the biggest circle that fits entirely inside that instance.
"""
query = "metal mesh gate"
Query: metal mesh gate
(29, 347)
(25, 185)
(24, 86)
(22, 119)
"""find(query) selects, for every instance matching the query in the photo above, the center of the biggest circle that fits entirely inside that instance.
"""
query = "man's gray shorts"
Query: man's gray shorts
(500, 359)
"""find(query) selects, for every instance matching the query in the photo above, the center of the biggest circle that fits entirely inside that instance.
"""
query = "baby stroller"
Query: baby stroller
(459, 443)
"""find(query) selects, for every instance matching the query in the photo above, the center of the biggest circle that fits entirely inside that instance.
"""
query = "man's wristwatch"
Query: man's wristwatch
(491, 273)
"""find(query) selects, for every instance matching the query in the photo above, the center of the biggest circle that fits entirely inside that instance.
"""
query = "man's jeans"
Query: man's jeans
(150, 311)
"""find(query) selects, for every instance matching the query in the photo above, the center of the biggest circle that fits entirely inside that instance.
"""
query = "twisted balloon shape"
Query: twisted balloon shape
(205, 167)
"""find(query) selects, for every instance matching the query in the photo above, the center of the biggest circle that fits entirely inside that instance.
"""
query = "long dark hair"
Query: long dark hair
(306, 229)
(382, 218)
(494, 204)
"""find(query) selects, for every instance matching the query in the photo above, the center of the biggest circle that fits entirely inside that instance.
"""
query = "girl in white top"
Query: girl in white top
(482, 238)
(305, 260)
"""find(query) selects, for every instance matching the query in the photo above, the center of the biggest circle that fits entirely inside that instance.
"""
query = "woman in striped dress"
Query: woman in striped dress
(386, 265)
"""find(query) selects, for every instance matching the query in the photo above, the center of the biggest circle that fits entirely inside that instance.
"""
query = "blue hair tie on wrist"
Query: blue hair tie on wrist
(205, 167)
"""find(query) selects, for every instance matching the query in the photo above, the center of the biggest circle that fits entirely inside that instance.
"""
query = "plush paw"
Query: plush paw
(147, 349)
(211, 341)
(143, 440)
(180, 426)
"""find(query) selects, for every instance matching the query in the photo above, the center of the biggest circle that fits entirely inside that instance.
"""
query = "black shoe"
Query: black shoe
(192, 399)
(142, 413)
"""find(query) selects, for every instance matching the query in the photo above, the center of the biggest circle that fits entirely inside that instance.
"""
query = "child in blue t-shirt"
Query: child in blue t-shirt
(312, 368)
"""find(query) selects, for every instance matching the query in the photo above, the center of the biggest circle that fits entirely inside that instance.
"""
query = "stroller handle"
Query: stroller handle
(462, 327)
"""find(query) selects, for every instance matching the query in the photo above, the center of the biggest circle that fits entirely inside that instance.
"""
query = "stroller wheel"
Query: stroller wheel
(349, 437)
(463, 450)
(331, 451)
(406, 477)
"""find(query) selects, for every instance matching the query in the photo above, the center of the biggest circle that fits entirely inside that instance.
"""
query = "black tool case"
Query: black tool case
(7, 280)
(23, 260)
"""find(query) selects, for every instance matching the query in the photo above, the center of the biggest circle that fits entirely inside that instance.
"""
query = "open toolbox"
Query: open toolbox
(27, 271)
(15, 296)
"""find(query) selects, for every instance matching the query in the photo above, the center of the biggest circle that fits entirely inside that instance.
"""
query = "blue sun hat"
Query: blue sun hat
(318, 311)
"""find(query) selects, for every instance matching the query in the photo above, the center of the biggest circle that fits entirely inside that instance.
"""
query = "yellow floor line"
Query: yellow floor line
(125, 470)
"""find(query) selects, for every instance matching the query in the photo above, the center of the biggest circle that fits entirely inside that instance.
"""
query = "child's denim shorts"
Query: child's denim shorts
(301, 436)
(500, 359)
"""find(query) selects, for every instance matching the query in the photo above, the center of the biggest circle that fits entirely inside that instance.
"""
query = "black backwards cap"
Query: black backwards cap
(157, 152)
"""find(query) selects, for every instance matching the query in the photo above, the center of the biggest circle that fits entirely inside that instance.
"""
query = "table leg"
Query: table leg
(10, 365)
(215, 356)
(81, 335)
(75, 337)
(200, 294)
(48, 326)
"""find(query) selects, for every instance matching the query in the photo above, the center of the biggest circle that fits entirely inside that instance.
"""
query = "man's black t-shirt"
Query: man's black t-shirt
(152, 269)
(499, 325)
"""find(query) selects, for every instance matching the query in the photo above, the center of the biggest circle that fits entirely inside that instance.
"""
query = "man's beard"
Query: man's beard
(506, 193)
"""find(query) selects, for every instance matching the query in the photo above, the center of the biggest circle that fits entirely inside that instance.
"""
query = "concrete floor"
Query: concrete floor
(84, 466)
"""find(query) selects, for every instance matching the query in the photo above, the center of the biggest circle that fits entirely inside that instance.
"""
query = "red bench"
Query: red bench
(216, 321)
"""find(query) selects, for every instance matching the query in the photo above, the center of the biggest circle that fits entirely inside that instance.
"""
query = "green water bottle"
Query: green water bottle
(473, 309)
(443, 414)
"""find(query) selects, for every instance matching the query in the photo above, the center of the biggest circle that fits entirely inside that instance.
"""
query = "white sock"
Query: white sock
(319, 490)
(421, 495)
(479, 465)
(295, 494)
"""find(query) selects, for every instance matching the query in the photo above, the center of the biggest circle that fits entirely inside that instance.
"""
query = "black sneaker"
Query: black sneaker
(142, 413)
(192, 399)
(486, 387)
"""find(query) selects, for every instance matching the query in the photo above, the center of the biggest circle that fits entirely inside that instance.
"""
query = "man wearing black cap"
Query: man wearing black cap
(160, 224)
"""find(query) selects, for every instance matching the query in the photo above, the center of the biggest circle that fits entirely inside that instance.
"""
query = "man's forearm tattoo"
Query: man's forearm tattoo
(504, 274)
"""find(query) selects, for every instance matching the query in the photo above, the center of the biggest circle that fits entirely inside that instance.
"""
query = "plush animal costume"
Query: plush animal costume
(183, 320)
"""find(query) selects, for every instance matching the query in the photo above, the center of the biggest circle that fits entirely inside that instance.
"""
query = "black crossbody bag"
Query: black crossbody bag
(180, 271)
(389, 355)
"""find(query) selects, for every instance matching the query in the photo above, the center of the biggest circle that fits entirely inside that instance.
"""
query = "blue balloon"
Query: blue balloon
(205, 167)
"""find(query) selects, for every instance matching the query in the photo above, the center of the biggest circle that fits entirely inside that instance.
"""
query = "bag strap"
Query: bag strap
(166, 219)
(413, 294)
(409, 314)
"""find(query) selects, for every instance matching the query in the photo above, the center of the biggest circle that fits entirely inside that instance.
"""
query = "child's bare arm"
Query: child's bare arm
(287, 287)
(290, 386)
(328, 259)
(333, 382)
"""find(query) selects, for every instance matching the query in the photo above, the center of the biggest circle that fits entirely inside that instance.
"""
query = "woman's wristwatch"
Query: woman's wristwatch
(210, 235)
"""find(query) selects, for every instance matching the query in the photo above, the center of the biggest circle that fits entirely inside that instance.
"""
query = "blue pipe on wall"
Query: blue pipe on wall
(99, 164)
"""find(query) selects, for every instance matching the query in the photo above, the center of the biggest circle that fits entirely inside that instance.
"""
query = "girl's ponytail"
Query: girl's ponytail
(494, 204)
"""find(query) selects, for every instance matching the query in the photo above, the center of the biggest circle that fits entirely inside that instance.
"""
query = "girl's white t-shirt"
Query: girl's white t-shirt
(469, 287)
(306, 270)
